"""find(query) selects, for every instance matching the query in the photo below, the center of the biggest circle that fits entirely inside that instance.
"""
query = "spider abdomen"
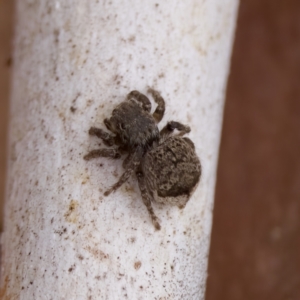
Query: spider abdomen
(172, 168)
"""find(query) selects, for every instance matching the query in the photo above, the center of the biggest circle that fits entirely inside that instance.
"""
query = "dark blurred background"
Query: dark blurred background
(255, 246)
(6, 30)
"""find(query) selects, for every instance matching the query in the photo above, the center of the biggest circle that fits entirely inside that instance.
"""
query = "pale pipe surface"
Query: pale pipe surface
(73, 62)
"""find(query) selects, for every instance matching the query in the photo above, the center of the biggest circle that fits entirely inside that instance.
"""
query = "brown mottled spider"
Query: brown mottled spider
(166, 165)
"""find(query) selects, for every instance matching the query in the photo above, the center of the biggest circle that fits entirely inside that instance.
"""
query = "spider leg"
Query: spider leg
(159, 100)
(132, 166)
(146, 104)
(147, 199)
(127, 160)
(108, 139)
(111, 153)
(171, 126)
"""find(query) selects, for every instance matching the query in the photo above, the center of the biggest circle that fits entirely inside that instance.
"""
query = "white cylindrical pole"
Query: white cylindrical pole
(73, 62)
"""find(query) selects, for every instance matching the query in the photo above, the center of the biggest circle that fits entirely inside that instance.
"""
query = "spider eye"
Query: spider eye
(122, 126)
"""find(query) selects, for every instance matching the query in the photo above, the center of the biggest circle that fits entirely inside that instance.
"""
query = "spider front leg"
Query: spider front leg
(147, 199)
(108, 139)
(111, 153)
(132, 166)
(146, 104)
(171, 126)
(159, 100)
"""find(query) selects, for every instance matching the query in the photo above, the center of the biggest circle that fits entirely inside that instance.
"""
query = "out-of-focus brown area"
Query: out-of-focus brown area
(255, 246)
(255, 249)
(6, 29)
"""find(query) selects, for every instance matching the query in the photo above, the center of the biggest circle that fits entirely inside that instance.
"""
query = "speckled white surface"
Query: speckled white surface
(73, 62)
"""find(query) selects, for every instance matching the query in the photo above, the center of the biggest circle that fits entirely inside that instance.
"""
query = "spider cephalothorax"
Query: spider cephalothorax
(166, 165)
(132, 122)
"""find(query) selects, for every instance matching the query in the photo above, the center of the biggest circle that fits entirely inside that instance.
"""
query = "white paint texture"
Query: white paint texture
(63, 239)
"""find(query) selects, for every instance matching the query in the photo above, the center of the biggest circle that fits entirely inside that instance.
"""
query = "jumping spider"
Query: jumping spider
(166, 165)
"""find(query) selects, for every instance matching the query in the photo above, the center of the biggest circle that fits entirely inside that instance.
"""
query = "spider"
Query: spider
(165, 164)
